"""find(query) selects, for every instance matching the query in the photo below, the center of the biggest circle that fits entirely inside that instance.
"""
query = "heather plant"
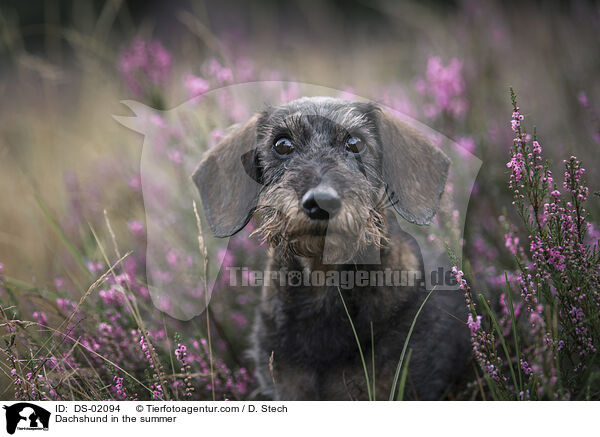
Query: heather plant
(146, 66)
(444, 87)
(111, 342)
(543, 342)
(99, 351)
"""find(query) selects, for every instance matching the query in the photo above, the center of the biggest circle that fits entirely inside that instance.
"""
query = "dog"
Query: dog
(322, 177)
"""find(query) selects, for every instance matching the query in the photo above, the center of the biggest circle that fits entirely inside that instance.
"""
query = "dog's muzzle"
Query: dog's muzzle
(321, 202)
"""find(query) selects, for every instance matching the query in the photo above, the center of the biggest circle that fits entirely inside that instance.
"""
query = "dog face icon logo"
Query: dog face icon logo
(308, 176)
(26, 416)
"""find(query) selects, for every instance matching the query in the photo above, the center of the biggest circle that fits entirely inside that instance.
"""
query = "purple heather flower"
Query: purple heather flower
(111, 297)
(511, 242)
(164, 303)
(95, 266)
(239, 319)
(135, 183)
(467, 145)
(195, 85)
(175, 156)
(136, 227)
(172, 258)
(245, 70)
(41, 318)
(474, 325)
(144, 63)
(65, 305)
(226, 256)
(527, 370)
(216, 136)
(583, 100)
(445, 85)
(220, 73)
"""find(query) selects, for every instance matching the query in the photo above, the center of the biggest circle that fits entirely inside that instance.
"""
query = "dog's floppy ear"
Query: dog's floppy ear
(227, 180)
(414, 170)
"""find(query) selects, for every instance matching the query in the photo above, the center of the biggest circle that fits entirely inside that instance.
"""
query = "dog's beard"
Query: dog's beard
(358, 226)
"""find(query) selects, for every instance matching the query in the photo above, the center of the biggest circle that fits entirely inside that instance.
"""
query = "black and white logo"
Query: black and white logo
(26, 416)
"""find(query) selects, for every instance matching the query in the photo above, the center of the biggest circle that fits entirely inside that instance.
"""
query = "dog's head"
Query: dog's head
(321, 166)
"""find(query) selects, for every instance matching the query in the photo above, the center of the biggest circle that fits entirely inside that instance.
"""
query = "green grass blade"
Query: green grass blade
(373, 361)
(403, 376)
(362, 357)
(412, 326)
(76, 254)
(514, 330)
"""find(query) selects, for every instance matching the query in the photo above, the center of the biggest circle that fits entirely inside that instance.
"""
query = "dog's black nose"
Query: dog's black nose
(321, 202)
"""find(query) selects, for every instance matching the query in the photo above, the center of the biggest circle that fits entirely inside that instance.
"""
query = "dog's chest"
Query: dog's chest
(312, 326)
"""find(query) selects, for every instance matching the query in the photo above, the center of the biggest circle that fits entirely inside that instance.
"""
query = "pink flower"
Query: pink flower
(175, 156)
(164, 303)
(172, 258)
(583, 100)
(474, 326)
(144, 64)
(511, 242)
(467, 145)
(40, 318)
(220, 73)
(216, 136)
(226, 257)
(195, 85)
(111, 297)
(94, 266)
(396, 98)
(136, 227)
(445, 86)
(135, 183)
(239, 319)
(244, 69)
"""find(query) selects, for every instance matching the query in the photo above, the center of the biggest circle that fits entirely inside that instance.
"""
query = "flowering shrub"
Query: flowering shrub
(145, 66)
(108, 357)
(445, 87)
(544, 344)
(111, 342)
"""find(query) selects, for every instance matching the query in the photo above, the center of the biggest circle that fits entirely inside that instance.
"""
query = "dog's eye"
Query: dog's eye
(283, 147)
(355, 145)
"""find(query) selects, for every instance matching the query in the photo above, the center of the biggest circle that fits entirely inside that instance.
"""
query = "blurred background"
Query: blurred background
(66, 65)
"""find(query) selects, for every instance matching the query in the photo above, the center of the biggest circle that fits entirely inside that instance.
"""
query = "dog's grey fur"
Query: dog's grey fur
(303, 344)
